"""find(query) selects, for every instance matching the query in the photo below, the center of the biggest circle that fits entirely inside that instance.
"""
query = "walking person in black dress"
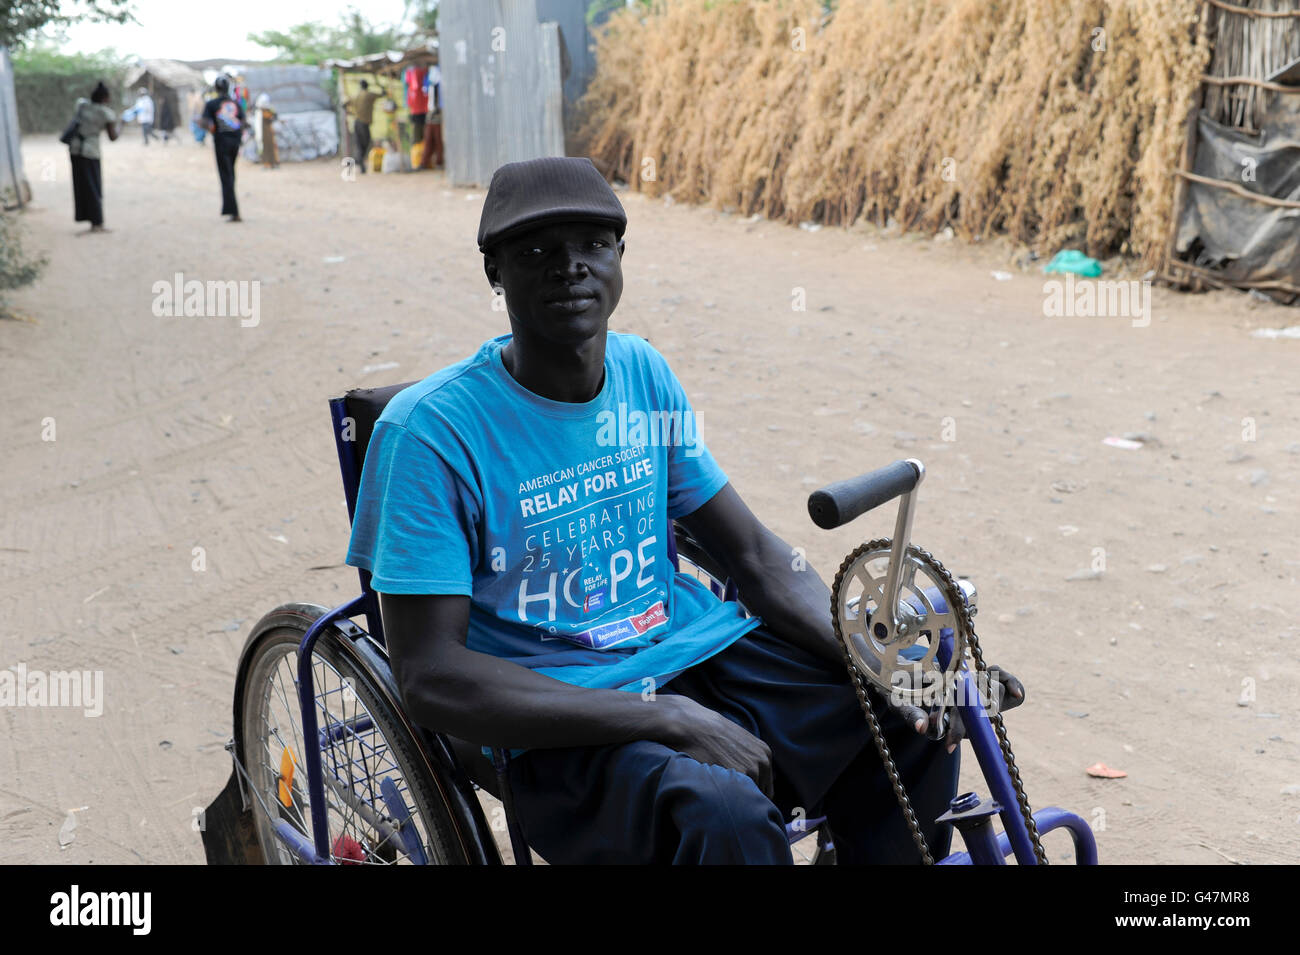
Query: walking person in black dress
(224, 118)
(93, 117)
(166, 120)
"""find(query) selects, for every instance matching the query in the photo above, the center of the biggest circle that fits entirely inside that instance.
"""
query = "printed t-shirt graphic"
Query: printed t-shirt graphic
(227, 117)
(551, 516)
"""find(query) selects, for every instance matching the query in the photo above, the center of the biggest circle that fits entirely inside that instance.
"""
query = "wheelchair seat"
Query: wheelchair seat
(477, 766)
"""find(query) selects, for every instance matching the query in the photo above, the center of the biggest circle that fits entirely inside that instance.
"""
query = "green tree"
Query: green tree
(423, 16)
(46, 56)
(352, 36)
(21, 20)
(310, 43)
(365, 37)
(315, 42)
(48, 80)
(598, 11)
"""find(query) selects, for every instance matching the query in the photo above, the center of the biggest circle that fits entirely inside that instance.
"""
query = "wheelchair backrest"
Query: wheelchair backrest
(354, 417)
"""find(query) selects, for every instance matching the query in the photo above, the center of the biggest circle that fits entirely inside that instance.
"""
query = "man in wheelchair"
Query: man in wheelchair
(515, 512)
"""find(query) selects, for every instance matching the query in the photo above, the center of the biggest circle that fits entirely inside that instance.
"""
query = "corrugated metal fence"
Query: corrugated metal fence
(502, 92)
(13, 184)
(293, 89)
(571, 15)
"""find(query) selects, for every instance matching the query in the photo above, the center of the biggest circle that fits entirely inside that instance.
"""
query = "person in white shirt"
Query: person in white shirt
(143, 111)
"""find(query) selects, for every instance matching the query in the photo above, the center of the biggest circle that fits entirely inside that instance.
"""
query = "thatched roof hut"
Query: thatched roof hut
(167, 81)
(172, 74)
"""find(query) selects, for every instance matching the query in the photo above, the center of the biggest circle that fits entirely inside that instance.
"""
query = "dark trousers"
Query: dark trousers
(227, 150)
(363, 142)
(432, 151)
(87, 191)
(148, 132)
(643, 802)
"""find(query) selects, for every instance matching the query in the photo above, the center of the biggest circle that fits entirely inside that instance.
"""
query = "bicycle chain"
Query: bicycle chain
(968, 637)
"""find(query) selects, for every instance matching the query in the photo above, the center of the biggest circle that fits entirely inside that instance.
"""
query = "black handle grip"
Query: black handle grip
(837, 504)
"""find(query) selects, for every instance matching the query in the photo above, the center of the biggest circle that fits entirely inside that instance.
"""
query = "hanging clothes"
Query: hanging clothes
(417, 100)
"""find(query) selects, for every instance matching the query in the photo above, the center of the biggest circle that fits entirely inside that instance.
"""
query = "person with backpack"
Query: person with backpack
(92, 117)
(224, 118)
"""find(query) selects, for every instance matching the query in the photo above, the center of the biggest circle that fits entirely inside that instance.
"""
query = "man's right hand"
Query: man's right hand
(708, 737)
(441, 682)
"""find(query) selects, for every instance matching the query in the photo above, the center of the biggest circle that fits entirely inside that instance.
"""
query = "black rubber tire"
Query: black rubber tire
(274, 642)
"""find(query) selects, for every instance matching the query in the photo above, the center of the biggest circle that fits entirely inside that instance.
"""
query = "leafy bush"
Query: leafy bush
(17, 268)
(47, 83)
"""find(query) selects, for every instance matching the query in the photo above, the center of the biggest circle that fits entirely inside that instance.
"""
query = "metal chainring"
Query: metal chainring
(867, 659)
(877, 654)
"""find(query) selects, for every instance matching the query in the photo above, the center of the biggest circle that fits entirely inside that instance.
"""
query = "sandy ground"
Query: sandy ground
(1177, 663)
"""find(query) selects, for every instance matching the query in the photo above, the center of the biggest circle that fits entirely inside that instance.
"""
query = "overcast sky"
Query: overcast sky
(194, 30)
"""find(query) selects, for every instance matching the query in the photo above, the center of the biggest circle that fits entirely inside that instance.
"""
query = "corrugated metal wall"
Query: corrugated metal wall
(502, 92)
(13, 183)
(571, 15)
(293, 89)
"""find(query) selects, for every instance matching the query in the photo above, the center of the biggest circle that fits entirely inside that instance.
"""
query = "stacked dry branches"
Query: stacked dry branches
(1057, 123)
(1250, 46)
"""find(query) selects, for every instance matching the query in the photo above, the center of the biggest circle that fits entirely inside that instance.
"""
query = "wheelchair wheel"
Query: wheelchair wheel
(382, 801)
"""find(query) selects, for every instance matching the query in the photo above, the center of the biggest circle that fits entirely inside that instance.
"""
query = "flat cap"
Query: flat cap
(522, 195)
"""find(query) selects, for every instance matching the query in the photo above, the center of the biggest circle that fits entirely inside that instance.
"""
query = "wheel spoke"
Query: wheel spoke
(356, 753)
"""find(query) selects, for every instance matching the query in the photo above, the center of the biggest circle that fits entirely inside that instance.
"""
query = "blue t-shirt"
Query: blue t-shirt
(552, 517)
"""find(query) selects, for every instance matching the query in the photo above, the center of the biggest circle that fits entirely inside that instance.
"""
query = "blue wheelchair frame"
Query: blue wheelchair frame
(968, 814)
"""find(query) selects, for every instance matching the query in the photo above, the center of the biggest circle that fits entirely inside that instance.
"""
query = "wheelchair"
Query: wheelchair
(328, 769)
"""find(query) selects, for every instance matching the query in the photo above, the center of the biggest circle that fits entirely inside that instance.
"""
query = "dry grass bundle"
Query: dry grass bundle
(1056, 123)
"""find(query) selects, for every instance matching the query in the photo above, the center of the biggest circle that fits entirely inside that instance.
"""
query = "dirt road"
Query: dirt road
(1145, 596)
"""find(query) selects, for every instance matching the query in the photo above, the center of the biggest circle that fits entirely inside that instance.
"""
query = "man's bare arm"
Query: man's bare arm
(795, 604)
(789, 595)
(492, 702)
